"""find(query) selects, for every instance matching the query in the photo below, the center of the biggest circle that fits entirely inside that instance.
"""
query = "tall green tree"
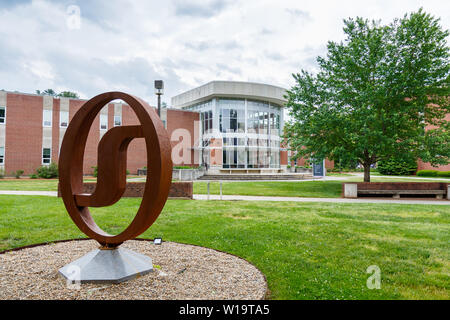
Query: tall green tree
(375, 93)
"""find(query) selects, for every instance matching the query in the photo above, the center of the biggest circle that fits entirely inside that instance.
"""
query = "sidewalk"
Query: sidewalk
(333, 200)
(261, 198)
(30, 193)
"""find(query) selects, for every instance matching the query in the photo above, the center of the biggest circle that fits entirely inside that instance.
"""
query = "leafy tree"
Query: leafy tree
(69, 94)
(51, 92)
(375, 93)
(400, 164)
(48, 92)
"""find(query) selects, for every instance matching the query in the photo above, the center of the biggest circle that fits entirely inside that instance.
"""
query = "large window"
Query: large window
(47, 118)
(46, 156)
(2, 155)
(2, 115)
(207, 122)
(117, 121)
(232, 115)
(103, 122)
(234, 158)
(63, 119)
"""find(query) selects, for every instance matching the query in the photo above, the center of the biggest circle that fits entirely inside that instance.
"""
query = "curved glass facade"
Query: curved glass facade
(248, 129)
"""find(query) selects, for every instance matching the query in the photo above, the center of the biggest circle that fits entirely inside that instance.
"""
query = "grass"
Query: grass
(313, 189)
(29, 184)
(306, 250)
(319, 189)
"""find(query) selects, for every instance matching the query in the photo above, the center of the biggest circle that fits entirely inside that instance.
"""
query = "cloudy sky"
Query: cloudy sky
(92, 46)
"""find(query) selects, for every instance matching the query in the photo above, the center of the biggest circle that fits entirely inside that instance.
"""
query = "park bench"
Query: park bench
(396, 193)
(396, 189)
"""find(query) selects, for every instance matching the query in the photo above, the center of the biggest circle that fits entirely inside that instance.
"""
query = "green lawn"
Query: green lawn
(315, 189)
(29, 184)
(306, 250)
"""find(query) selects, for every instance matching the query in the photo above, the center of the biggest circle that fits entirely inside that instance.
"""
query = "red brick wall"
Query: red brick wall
(283, 158)
(137, 152)
(329, 164)
(178, 189)
(23, 133)
(181, 119)
(426, 165)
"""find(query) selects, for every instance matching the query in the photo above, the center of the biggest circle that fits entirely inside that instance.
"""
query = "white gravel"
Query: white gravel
(181, 272)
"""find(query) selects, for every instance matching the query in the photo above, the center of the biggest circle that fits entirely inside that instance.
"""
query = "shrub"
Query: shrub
(48, 172)
(403, 165)
(443, 174)
(427, 173)
(2, 173)
(17, 174)
(95, 173)
(33, 176)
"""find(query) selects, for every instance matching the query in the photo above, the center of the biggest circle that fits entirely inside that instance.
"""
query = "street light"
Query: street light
(159, 90)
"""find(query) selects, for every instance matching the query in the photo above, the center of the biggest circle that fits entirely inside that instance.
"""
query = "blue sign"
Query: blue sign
(319, 168)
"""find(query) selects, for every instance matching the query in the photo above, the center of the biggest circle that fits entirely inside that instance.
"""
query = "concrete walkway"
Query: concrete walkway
(30, 193)
(261, 198)
(333, 200)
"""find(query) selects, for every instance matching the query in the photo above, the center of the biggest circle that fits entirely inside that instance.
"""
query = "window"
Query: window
(232, 115)
(2, 115)
(46, 156)
(103, 122)
(117, 121)
(47, 118)
(207, 122)
(2, 155)
(63, 119)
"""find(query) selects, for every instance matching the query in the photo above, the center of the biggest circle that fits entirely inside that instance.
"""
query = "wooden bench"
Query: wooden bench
(396, 193)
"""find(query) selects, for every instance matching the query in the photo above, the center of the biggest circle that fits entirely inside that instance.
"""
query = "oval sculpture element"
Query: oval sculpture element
(111, 178)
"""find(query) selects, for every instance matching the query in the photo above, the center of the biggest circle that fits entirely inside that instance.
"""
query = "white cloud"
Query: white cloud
(125, 45)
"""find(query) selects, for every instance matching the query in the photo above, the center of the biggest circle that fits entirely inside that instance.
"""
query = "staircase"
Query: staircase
(231, 177)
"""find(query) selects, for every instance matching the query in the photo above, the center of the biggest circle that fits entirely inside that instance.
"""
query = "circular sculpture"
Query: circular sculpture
(111, 178)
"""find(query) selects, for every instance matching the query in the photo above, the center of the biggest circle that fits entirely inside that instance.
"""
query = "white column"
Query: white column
(3, 126)
(47, 131)
(63, 106)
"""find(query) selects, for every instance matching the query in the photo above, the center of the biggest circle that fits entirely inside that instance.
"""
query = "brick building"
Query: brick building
(32, 128)
(226, 126)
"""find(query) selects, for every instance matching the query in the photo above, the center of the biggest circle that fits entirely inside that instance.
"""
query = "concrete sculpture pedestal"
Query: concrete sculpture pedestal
(107, 266)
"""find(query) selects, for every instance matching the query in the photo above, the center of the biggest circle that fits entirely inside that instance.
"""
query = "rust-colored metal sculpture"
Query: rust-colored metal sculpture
(111, 179)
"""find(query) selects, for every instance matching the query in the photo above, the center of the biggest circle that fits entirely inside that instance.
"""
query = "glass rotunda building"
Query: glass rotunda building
(240, 126)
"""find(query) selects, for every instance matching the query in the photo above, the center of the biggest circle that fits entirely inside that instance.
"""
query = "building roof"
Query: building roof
(231, 89)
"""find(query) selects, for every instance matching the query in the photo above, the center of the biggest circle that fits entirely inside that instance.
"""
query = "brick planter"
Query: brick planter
(178, 190)
(396, 189)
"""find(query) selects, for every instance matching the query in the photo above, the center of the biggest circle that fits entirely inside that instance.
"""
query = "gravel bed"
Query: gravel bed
(181, 272)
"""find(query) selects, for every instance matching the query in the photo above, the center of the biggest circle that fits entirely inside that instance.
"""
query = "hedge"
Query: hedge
(433, 173)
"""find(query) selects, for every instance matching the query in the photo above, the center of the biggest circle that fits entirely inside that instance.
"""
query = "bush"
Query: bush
(404, 165)
(48, 172)
(17, 173)
(95, 173)
(2, 173)
(427, 173)
(33, 176)
(445, 174)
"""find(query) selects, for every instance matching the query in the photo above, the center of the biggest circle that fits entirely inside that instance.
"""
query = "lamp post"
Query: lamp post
(159, 90)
